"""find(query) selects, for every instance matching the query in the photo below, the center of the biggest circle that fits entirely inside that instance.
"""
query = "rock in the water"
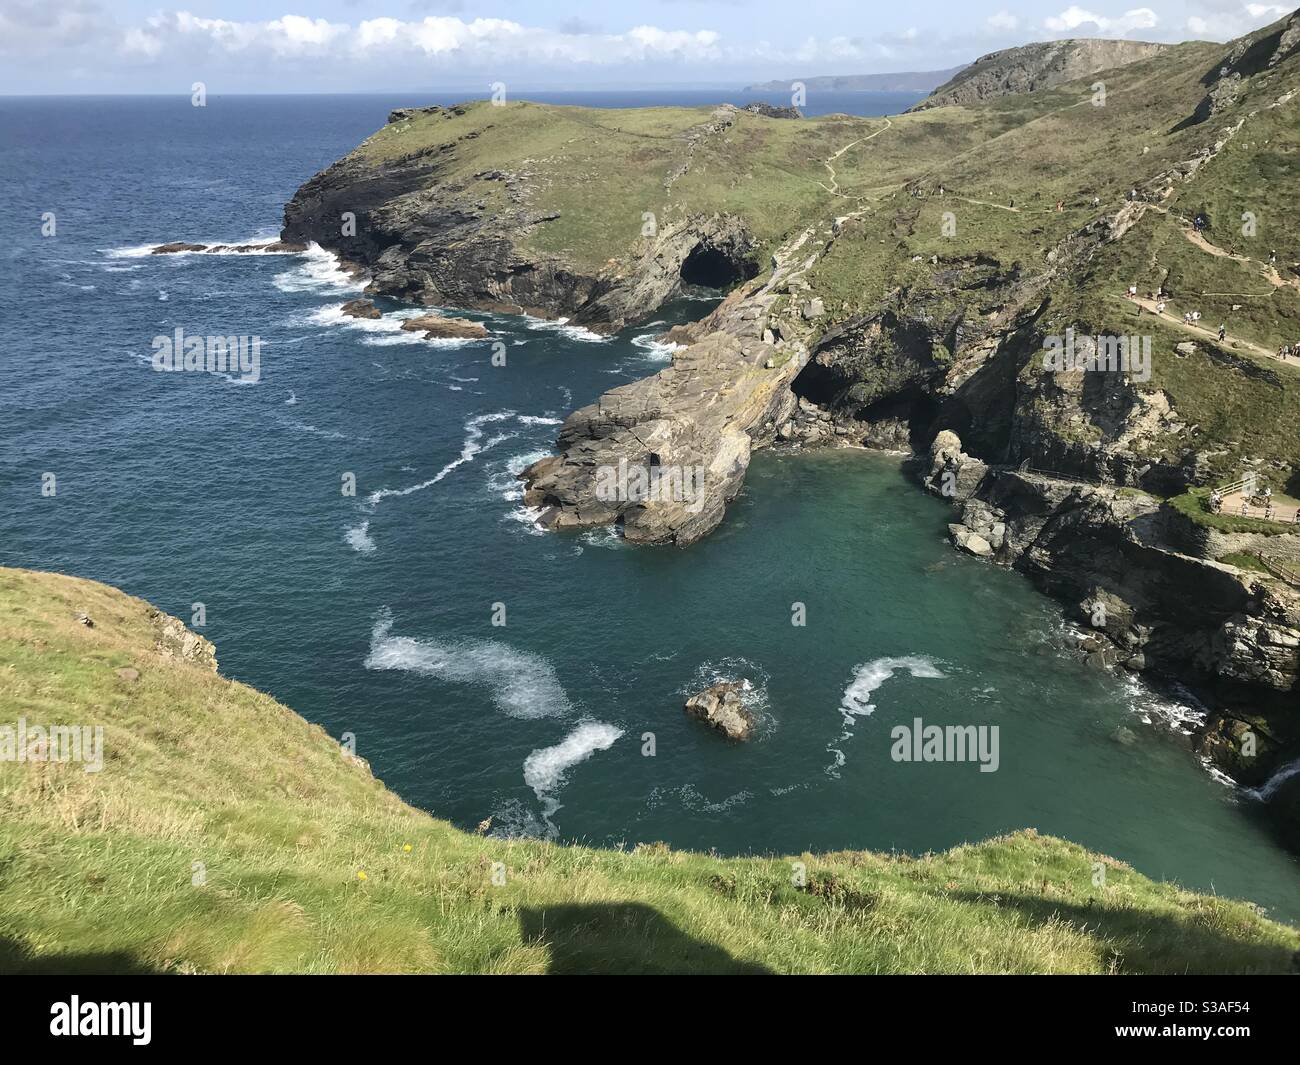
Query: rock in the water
(177, 246)
(970, 541)
(361, 308)
(720, 706)
(436, 326)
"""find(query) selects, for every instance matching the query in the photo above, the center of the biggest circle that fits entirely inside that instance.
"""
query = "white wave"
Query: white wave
(607, 536)
(522, 684)
(318, 271)
(529, 518)
(359, 539)
(162, 294)
(545, 768)
(258, 246)
(505, 479)
(292, 400)
(867, 677)
(562, 326)
(656, 351)
(472, 446)
(1269, 788)
(1181, 712)
(536, 419)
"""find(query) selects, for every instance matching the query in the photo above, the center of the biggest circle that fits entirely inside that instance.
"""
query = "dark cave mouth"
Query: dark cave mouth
(710, 267)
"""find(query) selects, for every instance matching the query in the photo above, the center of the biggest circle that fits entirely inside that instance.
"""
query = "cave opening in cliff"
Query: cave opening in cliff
(710, 267)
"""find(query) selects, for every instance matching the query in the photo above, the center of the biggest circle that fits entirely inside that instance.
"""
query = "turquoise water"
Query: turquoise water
(372, 614)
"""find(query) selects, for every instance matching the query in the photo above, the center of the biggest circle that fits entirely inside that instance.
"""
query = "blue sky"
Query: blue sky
(96, 46)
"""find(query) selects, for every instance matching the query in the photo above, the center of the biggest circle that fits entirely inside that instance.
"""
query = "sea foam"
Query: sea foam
(521, 684)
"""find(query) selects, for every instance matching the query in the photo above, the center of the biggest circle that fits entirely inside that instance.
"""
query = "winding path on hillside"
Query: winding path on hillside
(834, 186)
(1201, 331)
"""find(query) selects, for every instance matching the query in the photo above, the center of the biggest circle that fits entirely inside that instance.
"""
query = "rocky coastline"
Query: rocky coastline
(1062, 475)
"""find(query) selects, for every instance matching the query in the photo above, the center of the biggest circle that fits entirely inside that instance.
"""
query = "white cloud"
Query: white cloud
(1003, 21)
(1076, 18)
(1224, 19)
(481, 40)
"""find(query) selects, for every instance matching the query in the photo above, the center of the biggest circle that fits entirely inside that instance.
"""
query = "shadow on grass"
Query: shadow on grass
(17, 959)
(1150, 943)
(628, 937)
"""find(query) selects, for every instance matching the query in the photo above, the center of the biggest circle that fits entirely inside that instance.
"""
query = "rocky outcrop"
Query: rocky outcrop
(768, 111)
(663, 456)
(1105, 552)
(1031, 67)
(436, 326)
(428, 234)
(177, 641)
(362, 308)
(721, 707)
(274, 247)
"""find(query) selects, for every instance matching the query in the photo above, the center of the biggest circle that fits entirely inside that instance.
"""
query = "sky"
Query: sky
(259, 46)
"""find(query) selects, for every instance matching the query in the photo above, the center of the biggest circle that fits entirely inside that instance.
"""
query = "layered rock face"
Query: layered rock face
(1104, 551)
(428, 235)
(1032, 67)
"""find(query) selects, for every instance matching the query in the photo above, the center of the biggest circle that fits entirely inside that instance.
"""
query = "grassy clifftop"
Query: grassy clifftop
(226, 834)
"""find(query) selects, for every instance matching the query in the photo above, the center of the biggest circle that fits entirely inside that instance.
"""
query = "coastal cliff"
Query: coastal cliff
(895, 283)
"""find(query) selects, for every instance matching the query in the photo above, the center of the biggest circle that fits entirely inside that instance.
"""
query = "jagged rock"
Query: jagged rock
(86, 620)
(814, 308)
(436, 325)
(721, 707)
(402, 114)
(177, 641)
(768, 111)
(970, 542)
(177, 246)
(361, 308)
(952, 473)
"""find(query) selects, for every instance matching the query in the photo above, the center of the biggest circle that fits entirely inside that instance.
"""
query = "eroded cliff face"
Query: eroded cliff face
(1033, 67)
(1105, 552)
(427, 233)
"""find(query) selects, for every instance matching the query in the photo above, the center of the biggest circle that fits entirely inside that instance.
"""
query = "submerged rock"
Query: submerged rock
(436, 326)
(720, 707)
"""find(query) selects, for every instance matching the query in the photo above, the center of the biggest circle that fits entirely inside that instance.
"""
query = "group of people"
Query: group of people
(1264, 499)
(1289, 351)
(1189, 317)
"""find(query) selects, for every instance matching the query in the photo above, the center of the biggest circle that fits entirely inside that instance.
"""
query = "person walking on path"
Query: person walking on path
(1223, 331)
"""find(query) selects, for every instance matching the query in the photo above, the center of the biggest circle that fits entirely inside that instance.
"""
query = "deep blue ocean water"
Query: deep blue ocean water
(372, 614)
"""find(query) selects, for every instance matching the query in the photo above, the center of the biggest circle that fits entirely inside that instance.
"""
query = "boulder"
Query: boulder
(362, 308)
(970, 541)
(435, 326)
(720, 707)
(177, 246)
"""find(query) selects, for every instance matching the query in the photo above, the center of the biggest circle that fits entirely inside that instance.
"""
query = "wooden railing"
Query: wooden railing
(1280, 571)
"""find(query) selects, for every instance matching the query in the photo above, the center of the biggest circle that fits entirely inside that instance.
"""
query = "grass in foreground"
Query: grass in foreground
(226, 834)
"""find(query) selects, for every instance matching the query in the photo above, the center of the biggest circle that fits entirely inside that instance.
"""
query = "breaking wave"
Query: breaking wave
(856, 701)
(521, 684)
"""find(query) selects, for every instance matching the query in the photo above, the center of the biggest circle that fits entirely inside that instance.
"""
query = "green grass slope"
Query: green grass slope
(308, 864)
